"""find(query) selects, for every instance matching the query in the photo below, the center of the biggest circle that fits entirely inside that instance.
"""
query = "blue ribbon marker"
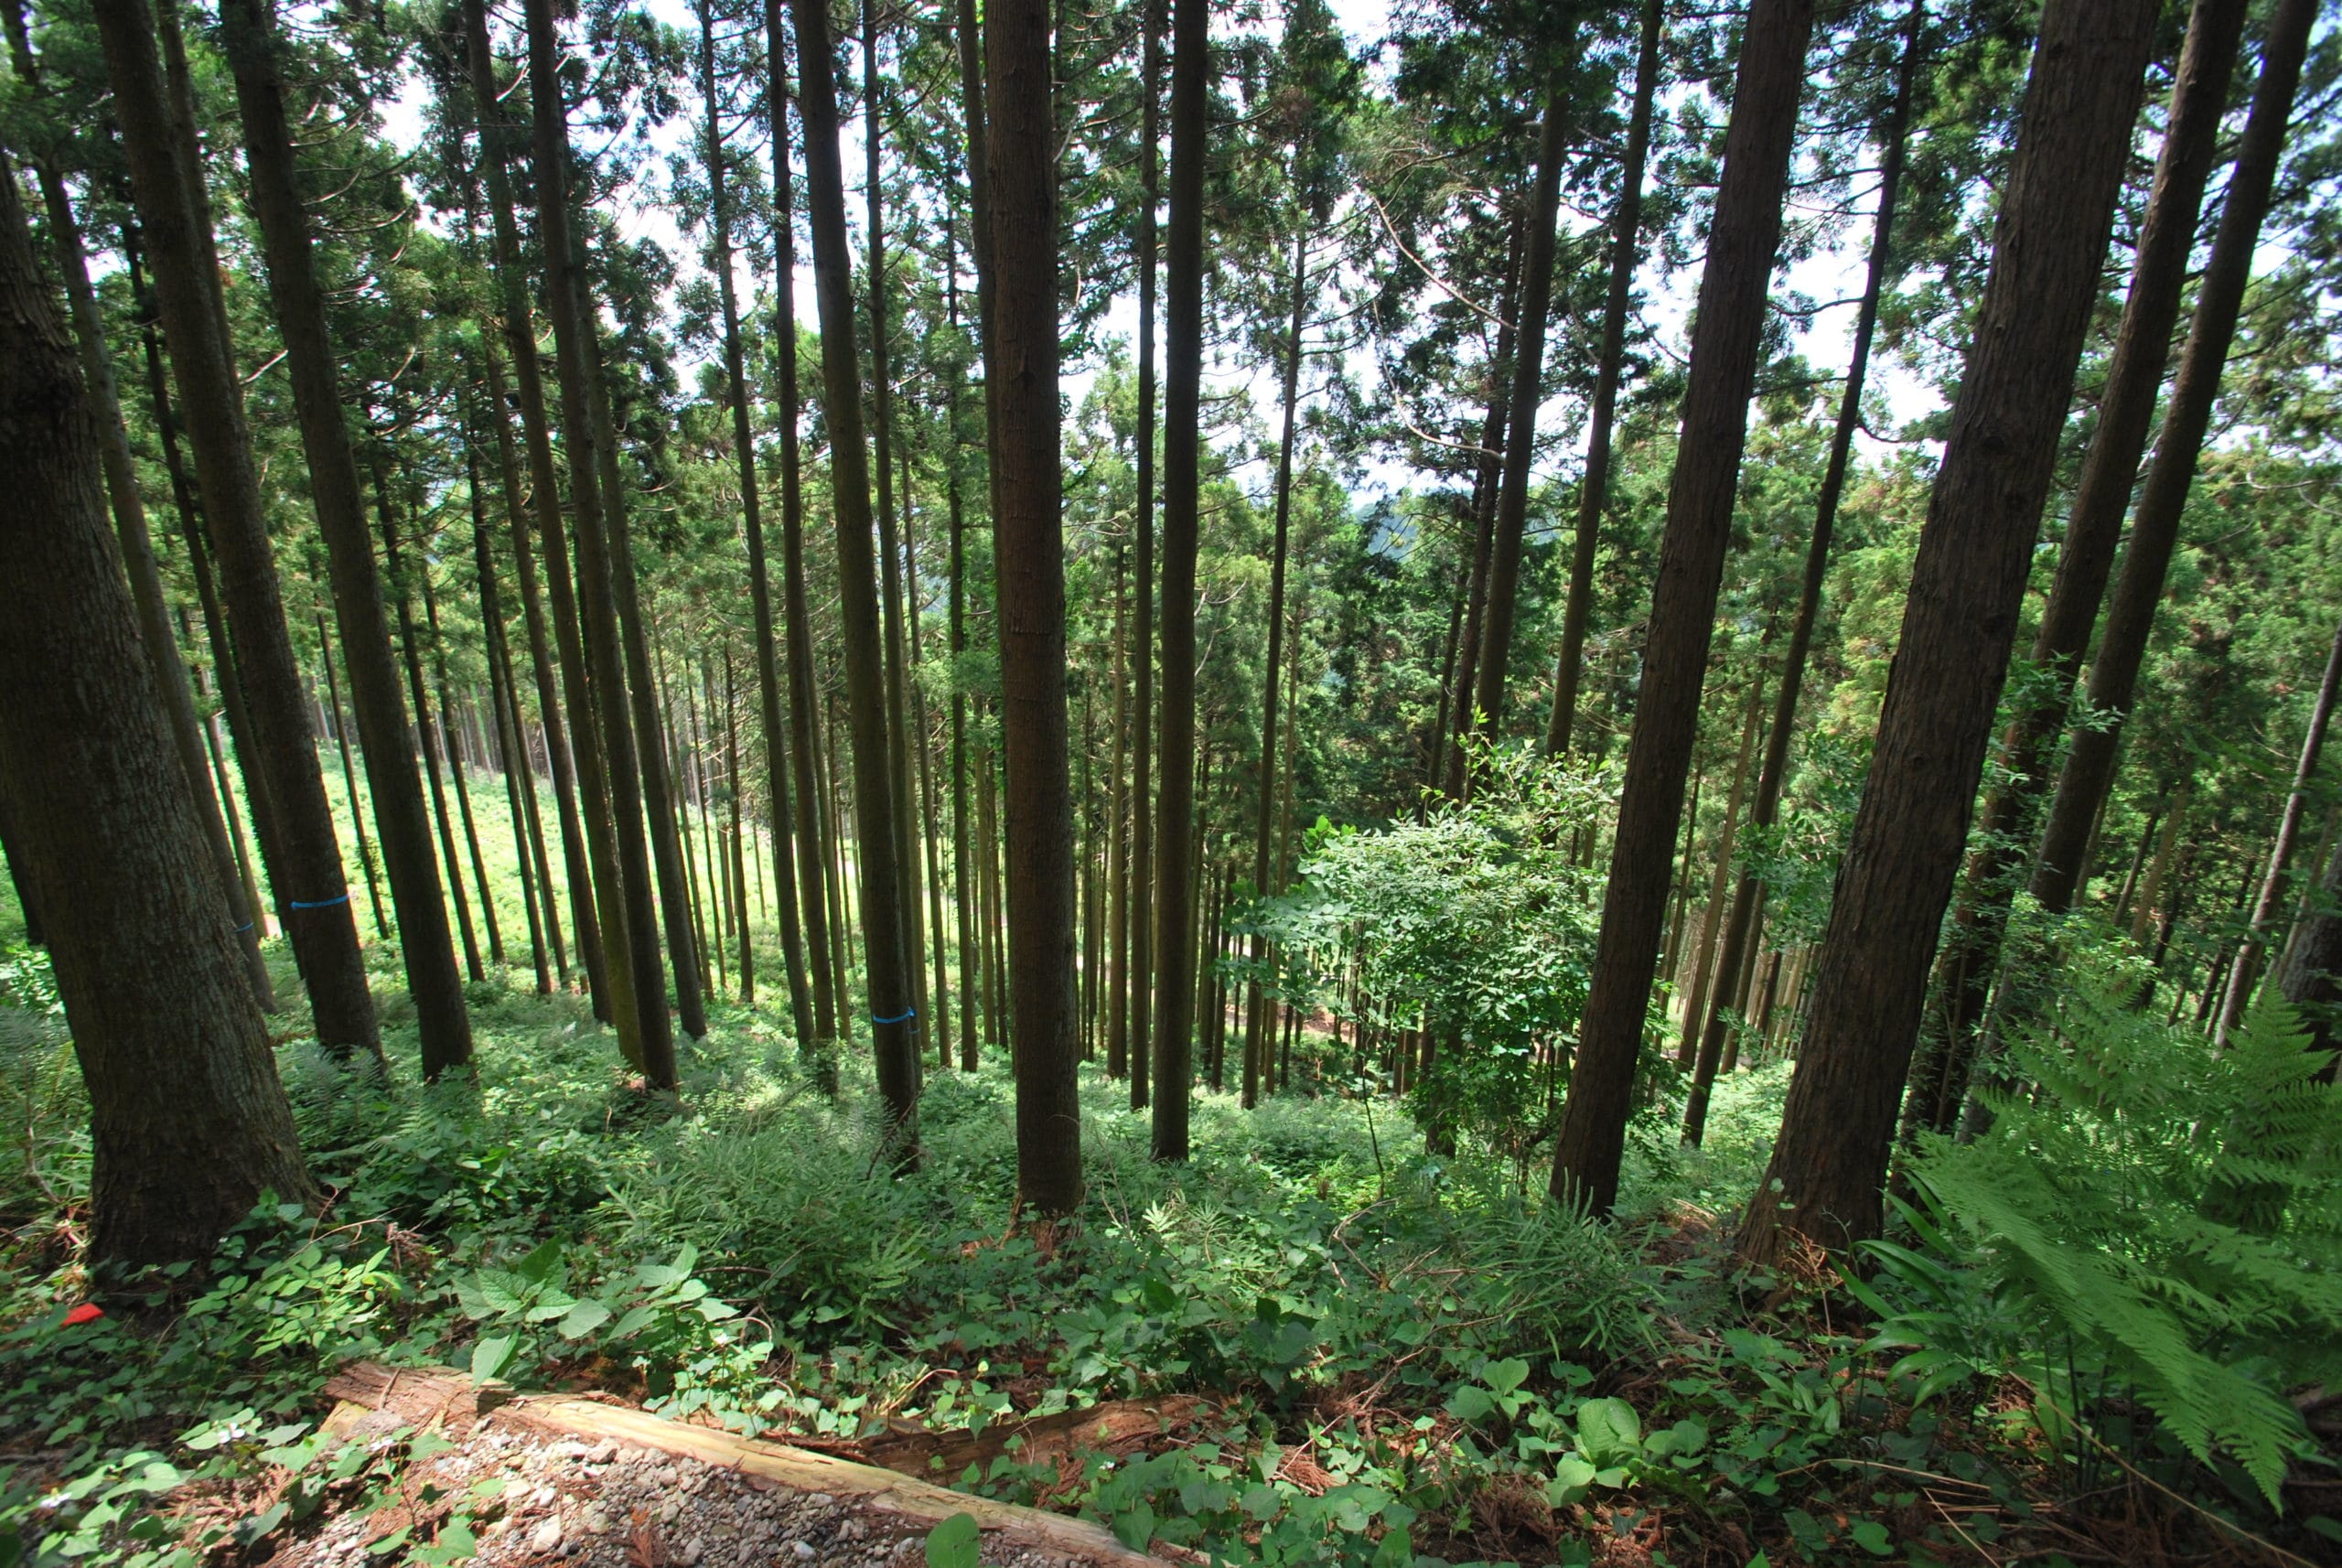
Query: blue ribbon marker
(904, 1019)
(320, 904)
(242, 929)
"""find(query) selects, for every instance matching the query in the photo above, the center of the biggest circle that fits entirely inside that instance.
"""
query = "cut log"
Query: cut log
(452, 1401)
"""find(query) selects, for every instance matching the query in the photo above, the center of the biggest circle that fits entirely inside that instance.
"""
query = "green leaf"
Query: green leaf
(1872, 1537)
(954, 1543)
(582, 1319)
(1470, 1402)
(491, 1355)
(539, 1265)
(1506, 1375)
(1608, 1430)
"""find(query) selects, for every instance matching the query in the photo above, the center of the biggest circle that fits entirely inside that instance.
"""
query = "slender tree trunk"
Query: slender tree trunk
(630, 918)
(519, 780)
(740, 856)
(1274, 665)
(1952, 658)
(188, 1124)
(1748, 900)
(1144, 938)
(274, 196)
(1520, 437)
(1176, 736)
(456, 769)
(306, 865)
(1725, 342)
(1118, 1038)
(1594, 488)
(1966, 968)
(1486, 482)
(894, 1030)
(804, 759)
(2245, 969)
(2088, 769)
(348, 786)
(964, 896)
(1712, 963)
(803, 1014)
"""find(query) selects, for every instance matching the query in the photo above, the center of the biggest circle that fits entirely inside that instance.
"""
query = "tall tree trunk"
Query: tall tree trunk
(1726, 341)
(188, 1123)
(589, 840)
(2089, 771)
(963, 894)
(1486, 482)
(1952, 658)
(1143, 938)
(1969, 961)
(2245, 969)
(305, 870)
(627, 920)
(895, 1036)
(1594, 488)
(941, 1021)
(892, 569)
(804, 758)
(802, 1012)
(1520, 436)
(1274, 665)
(1031, 563)
(1740, 934)
(275, 194)
(129, 512)
(1183, 326)
(1117, 1014)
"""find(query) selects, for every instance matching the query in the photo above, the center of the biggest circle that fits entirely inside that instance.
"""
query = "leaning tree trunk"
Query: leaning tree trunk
(176, 216)
(894, 1031)
(1969, 961)
(589, 841)
(1594, 488)
(130, 528)
(1952, 657)
(1182, 329)
(1726, 341)
(2155, 527)
(2245, 969)
(1740, 932)
(629, 921)
(188, 1124)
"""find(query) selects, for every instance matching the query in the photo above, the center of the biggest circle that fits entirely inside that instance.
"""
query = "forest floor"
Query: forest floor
(1367, 1354)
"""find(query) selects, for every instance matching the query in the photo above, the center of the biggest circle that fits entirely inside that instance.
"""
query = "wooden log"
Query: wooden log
(451, 1401)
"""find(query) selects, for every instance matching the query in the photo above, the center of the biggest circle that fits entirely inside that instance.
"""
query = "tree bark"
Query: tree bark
(1726, 339)
(175, 215)
(1183, 326)
(1031, 557)
(188, 1124)
(2089, 770)
(628, 922)
(589, 838)
(1520, 438)
(1970, 962)
(1144, 938)
(1740, 933)
(894, 1030)
(1967, 589)
(1594, 488)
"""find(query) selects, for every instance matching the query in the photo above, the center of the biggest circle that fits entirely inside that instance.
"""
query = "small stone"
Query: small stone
(693, 1550)
(803, 1549)
(821, 1500)
(542, 1498)
(546, 1537)
(597, 1522)
(570, 1450)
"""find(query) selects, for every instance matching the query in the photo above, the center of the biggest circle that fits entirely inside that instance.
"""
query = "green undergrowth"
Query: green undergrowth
(1399, 1358)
